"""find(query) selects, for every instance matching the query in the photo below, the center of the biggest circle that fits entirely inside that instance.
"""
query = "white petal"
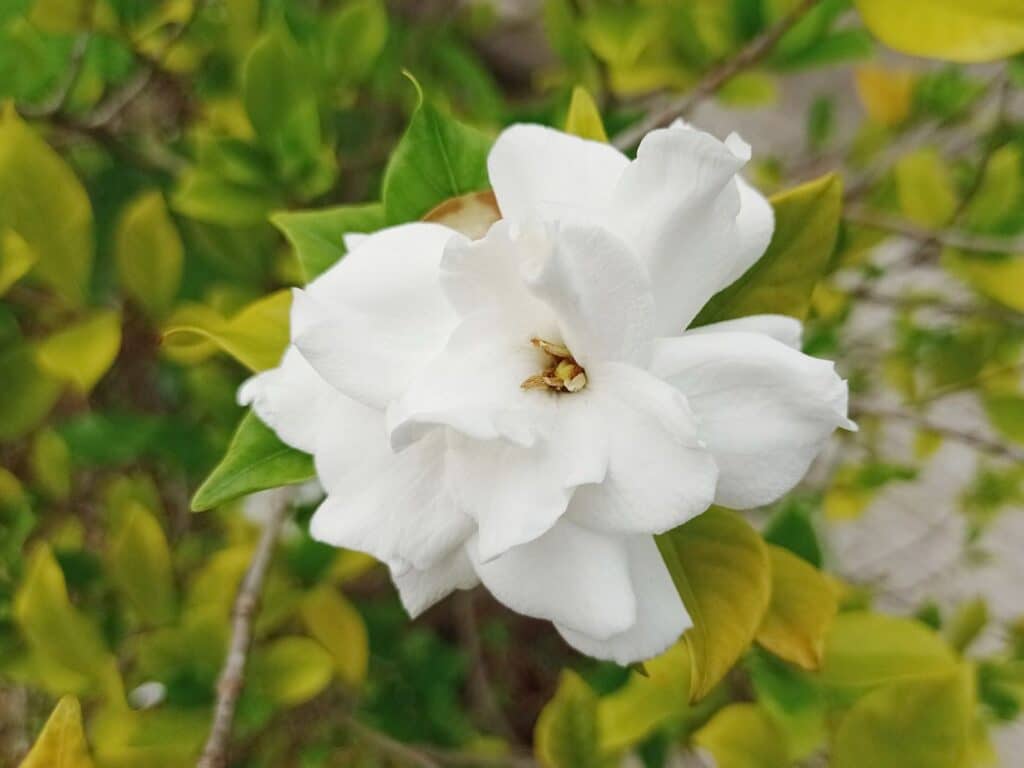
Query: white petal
(782, 328)
(661, 617)
(764, 410)
(283, 398)
(352, 440)
(401, 509)
(575, 577)
(659, 473)
(683, 209)
(541, 173)
(419, 590)
(598, 291)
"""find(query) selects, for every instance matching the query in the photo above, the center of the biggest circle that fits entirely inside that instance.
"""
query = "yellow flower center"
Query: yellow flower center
(561, 374)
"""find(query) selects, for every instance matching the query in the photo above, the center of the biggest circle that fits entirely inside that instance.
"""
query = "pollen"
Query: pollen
(561, 374)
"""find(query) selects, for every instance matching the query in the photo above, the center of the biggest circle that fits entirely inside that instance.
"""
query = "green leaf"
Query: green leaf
(16, 259)
(16, 520)
(566, 734)
(29, 391)
(584, 118)
(290, 671)
(438, 158)
(338, 627)
(750, 89)
(255, 460)
(966, 624)
(926, 192)
(646, 702)
(1006, 413)
(62, 741)
(720, 567)
(84, 351)
(204, 196)
(256, 336)
(743, 736)
(980, 30)
(803, 605)
(794, 699)
(1000, 279)
(791, 528)
(140, 566)
(912, 724)
(781, 282)
(50, 461)
(42, 201)
(356, 36)
(317, 236)
(864, 650)
(149, 253)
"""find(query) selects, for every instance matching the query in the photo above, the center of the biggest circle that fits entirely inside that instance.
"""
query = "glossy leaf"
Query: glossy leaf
(743, 736)
(82, 352)
(720, 566)
(337, 626)
(980, 30)
(149, 253)
(438, 158)
(781, 282)
(256, 336)
(42, 201)
(317, 236)
(566, 734)
(140, 566)
(584, 118)
(62, 741)
(255, 460)
(803, 605)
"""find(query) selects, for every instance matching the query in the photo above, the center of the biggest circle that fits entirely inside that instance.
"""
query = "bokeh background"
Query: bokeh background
(147, 151)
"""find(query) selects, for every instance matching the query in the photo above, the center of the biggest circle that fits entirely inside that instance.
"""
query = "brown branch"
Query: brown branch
(232, 676)
(403, 753)
(982, 443)
(480, 691)
(752, 53)
(953, 238)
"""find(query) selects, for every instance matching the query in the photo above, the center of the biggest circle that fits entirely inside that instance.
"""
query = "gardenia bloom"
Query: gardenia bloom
(525, 410)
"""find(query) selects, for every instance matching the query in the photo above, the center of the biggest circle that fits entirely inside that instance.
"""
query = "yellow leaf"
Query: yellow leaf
(140, 566)
(802, 607)
(584, 118)
(566, 733)
(42, 201)
(926, 192)
(16, 259)
(149, 253)
(720, 566)
(62, 741)
(256, 336)
(953, 30)
(50, 461)
(885, 93)
(1000, 279)
(84, 351)
(646, 702)
(338, 627)
(743, 736)
(290, 670)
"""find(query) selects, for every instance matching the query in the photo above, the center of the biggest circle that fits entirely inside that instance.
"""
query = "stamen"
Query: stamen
(563, 373)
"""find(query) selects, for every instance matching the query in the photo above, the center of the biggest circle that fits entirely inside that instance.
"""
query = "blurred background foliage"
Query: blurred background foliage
(158, 164)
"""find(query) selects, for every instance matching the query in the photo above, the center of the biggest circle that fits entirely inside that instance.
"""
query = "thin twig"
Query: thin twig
(480, 690)
(232, 676)
(982, 443)
(404, 753)
(954, 238)
(943, 306)
(751, 54)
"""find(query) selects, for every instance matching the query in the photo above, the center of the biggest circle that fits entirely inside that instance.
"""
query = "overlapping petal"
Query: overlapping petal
(782, 328)
(420, 589)
(765, 410)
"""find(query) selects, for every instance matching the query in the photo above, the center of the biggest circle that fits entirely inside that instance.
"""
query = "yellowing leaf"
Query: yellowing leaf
(84, 351)
(802, 607)
(290, 670)
(646, 702)
(42, 201)
(885, 93)
(338, 627)
(50, 461)
(743, 736)
(1000, 279)
(16, 259)
(782, 281)
(926, 192)
(256, 336)
(864, 650)
(953, 30)
(566, 733)
(29, 392)
(140, 566)
(923, 723)
(149, 253)
(62, 741)
(720, 566)
(584, 118)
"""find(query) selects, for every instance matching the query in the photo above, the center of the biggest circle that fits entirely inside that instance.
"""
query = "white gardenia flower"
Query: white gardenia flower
(525, 410)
